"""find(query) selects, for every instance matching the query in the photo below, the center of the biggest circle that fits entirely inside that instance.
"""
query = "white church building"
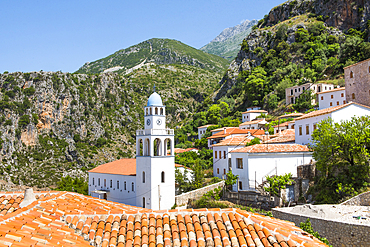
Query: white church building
(149, 180)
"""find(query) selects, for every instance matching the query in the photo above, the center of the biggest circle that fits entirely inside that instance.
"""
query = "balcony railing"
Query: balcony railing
(155, 132)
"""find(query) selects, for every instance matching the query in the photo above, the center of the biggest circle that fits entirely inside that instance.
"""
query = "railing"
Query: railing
(155, 132)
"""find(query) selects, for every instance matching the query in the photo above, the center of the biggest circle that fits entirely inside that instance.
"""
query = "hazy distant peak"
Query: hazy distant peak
(232, 31)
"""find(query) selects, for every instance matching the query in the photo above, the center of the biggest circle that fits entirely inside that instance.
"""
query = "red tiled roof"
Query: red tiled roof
(255, 111)
(284, 136)
(120, 167)
(328, 110)
(71, 219)
(356, 63)
(236, 131)
(275, 148)
(252, 122)
(333, 90)
(284, 124)
(181, 150)
(291, 115)
(206, 126)
(233, 141)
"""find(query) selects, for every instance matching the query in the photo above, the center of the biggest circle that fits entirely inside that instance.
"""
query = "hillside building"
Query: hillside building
(149, 180)
(292, 93)
(259, 123)
(330, 98)
(252, 114)
(202, 130)
(357, 81)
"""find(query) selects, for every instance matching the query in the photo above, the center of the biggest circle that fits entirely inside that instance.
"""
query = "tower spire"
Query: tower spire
(154, 88)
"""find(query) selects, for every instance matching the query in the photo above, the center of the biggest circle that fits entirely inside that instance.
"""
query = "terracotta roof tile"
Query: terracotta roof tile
(292, 115)
(275, 148)
(252, 122)
(332, 90)
(255, 111)
(206, 126)
(121, 167)
(236, 131)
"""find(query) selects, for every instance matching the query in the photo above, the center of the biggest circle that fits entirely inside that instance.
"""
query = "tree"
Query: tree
(254, 141)
(214, 114)
(230, 179)
(304, 101)
(256, 87)
(78, 185)
(198, 176)
(182, 181)
(342, 154)
(277, 183)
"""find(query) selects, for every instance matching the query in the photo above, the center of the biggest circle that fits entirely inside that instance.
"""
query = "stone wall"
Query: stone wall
(338, 233)
(196, 194)
(359, 200)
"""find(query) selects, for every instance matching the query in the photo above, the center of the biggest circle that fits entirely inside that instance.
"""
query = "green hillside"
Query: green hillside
(157, 51)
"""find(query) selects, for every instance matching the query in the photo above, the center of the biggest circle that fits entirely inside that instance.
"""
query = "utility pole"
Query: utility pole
(159, 197)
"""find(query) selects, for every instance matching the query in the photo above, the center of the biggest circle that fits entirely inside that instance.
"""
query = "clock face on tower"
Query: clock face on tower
(159, 122)
(148, 122)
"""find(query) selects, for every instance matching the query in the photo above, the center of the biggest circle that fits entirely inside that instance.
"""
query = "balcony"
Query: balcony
(155, 132)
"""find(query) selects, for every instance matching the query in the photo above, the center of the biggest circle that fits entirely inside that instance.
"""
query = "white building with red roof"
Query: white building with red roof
(252, 114)
(202, 130)
(330, 98)
(149, 180)
(254, 124)
(306, 124)
(253, 163)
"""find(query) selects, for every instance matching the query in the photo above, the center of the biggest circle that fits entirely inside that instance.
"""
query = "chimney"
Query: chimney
(29, 197)
(224, 130)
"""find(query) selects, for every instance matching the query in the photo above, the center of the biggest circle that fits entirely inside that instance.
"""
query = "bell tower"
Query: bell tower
(155, 160)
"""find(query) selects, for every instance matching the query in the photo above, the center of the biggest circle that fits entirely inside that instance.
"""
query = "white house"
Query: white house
(285, 136)
(149, 180)
(292, 93)
(222, 156)
(284, 126)
(202, 130)
(254, 124)
(330, 98)
(305, 125)
(252, 114)
(253, 163)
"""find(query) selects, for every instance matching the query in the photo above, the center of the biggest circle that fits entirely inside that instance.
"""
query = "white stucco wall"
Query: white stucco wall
(220, 163)
(201, 132)
(339, 98)
(121, 195)
(250, 116)
(256, 166)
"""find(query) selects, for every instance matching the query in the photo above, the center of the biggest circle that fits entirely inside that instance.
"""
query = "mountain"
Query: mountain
(154, 51)
(298, 41)
(227, 43)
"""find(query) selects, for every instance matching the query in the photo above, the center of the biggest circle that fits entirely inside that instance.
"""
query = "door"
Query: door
(290, 193)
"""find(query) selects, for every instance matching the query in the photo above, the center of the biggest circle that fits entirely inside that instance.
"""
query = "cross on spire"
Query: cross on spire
(154, 88)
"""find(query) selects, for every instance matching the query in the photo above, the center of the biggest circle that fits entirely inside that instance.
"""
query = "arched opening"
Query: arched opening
(143, 202)
(150, 111)
(147, 147)
(143, 177)
(162, 177)
(168, 147)
(157, 147)
(146, 111)
(353, 96)
(139, 147)
(351, 74)
(156, 111)
(132, 186)
(161, 111)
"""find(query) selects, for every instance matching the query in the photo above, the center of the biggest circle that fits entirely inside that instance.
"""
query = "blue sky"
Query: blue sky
(53, 35)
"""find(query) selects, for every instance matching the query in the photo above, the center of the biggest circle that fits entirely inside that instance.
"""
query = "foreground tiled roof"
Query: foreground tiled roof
(284, 136)
(71, 219)
(233, 141)
(236, 131)
(120, 167)
(328, 110)
(272, 148)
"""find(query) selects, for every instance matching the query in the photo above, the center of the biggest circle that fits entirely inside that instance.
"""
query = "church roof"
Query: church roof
(72, 219)
(119, 167)
(155, 100)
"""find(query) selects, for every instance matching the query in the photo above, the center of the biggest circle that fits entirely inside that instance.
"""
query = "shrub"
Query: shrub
(23, 121)
(29, 91)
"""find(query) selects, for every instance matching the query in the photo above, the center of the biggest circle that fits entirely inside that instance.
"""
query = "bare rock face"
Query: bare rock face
(30, 136)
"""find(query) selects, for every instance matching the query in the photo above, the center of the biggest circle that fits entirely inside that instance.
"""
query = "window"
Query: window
(143, 202)
(111, 183)
(132, 186)
(243, 117)
(344, 101)
(124, 185)
(215, 154)
(369, 69)
(291, 91)
(332, 96)
(162, 177)
(351, 74)
(117, 184)
(143, 177)
(239, 163)
(293, 126)
(322, 97)
(247, 116)
(325, 87)
(314, 126)
(219, 152)
(300, 130)
(299, 89)
(342, 95)
(331, 103)
(224, 171)
(224, 154)
(240, 185)
(307, 129)
(105, 183)
(295, 90)
(337, 102)
(303, 89)
(229, 164)
(93, 181)
(98, 181)
(218, 170)
(353, 96)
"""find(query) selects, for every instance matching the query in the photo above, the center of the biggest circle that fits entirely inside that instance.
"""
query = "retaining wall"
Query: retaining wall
(338, 233)
(196, 194)
(359, 200)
